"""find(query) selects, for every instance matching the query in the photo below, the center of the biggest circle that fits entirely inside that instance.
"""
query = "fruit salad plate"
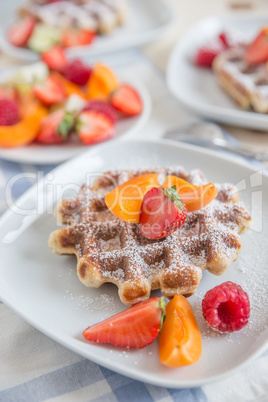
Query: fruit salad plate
(48, 294)
(145, 22)
(38, 153)
(196, 88)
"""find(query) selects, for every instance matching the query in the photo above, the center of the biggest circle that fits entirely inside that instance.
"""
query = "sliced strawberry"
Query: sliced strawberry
(55, 59)
(136, 327)
(51, 91)
(127, 100)
(48, 133)
(257, 52)
(103, 107)
(94, 127)
(207, 53)
(162, 213)
(77, 72)
(19, 33)
(77, 37)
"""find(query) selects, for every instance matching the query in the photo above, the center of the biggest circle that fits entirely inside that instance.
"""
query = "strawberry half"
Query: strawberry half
(50, 92)
(48, 133)
(55, 59)
(94, 127)
(19, 33)
(162, 213)
(127, 100)
(257, 52)
(136, 327)
(77, 37)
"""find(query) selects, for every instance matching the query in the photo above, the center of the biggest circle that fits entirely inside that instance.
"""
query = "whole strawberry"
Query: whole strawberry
(9, 112)
(162, 213)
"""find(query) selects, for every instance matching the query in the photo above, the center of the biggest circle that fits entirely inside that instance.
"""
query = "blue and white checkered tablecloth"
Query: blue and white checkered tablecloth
(35, 368)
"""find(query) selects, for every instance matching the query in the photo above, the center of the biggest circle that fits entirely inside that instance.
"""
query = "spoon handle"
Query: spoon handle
(182, 136)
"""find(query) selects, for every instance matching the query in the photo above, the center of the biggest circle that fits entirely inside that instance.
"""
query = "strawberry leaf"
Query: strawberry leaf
(66, 124)
(174, 197)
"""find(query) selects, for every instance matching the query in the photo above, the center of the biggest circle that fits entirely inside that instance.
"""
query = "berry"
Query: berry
(9, 112)
(226, 307)
(207, 53)
(19, 33)
(55, 59)
(103, 107)
(127, 100)
(257, 51)
(77, 37)
(94, 127)
(48, 133)
(135, 327)
(162, 213)
(77, 72)
(51, 91)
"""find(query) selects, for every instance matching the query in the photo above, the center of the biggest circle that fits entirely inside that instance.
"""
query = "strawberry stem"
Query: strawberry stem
(174, 197)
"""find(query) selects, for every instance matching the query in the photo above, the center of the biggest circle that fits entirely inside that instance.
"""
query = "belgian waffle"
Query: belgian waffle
(246, 84)
(101, 16)
(110, 250)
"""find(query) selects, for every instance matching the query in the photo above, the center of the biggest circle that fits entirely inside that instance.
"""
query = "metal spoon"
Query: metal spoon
(210, 134)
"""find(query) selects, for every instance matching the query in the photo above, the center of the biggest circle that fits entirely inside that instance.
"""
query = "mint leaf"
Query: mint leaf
(174, 197)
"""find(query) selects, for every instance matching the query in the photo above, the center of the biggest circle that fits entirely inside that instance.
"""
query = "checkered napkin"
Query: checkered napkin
(35, 368)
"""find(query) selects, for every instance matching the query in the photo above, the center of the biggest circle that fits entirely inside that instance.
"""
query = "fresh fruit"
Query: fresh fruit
(26, 130)
(9, 112)
(162, 213)
(49, 133)
(8, 92)
(257, 51)
(194, 197)
(180, 338)
(44, 37)
(102, 82)
(70, 88)
(207, 53)
(135, 327)
(127, 100)
(19, 33)
(77, 72)
(50, 92)
(125, 200)
(77, 37)
(226, 308)
(55, 59)
(103, 107)
(94, 127)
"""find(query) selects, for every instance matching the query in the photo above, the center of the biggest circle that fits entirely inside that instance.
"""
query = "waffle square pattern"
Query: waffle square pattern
(111, 250)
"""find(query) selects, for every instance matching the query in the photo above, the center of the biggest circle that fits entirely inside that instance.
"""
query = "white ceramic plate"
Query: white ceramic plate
(45, 291)
(52, 154)
(147, 21)
(196, 88)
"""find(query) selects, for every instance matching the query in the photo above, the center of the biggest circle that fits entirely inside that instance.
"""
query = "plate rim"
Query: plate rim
(74, 345)
(251, 119)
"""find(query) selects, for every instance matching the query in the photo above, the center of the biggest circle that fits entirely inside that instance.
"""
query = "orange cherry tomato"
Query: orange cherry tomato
(180, 338)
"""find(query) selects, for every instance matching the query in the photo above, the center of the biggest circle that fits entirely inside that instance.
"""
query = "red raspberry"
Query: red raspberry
(77, 72)
(226, 307)
(9, 112)
(102, 107)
